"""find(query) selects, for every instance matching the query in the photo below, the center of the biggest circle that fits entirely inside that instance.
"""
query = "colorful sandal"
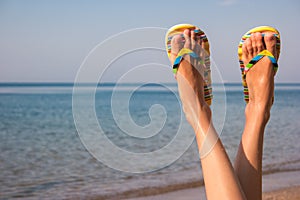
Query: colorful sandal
(178, 30)
(255, 59)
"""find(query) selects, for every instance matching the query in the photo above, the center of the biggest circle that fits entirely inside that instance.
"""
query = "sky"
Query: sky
(49, 40)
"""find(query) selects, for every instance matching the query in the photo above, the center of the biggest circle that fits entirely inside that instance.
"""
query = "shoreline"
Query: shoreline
(275, 184)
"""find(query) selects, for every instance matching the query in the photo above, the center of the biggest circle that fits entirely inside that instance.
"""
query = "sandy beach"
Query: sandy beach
(292, 193)
(277, 186)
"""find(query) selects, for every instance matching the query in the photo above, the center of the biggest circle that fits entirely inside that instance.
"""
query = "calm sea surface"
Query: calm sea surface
(42, 156)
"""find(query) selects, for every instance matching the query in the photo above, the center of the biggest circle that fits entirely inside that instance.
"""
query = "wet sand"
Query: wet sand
(278, 186)
(292, 193)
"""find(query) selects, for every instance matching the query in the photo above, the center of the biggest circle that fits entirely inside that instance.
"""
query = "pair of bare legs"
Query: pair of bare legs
(222, 180)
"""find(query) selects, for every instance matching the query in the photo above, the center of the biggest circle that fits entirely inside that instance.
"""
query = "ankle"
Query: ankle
(259, 112)
(204, 119)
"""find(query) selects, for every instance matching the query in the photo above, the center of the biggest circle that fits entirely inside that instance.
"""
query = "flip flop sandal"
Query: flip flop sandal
(245, 68)
(178, 30)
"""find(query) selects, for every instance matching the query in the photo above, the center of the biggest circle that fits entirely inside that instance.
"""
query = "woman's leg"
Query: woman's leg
(260, 81)
(219, 176)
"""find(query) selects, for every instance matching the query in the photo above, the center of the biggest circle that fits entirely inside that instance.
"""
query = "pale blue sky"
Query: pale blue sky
(46, 41)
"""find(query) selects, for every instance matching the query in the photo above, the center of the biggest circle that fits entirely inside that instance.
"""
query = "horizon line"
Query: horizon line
(68, 84)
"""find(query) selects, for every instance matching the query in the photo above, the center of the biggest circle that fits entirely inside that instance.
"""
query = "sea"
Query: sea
(115, 141)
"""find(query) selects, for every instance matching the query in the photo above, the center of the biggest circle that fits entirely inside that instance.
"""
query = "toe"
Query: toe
(254, 42)
(199, 41)
(248, 45)
(203, 47)
(247, 51)
(176, 45)
(257, 43)
(187, 37)
(270, 41)
(193, 40)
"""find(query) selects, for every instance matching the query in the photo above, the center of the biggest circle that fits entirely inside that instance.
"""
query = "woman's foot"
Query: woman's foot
(191, 82)
(260, 78)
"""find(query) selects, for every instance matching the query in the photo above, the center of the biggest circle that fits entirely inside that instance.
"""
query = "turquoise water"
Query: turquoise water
(42, 156)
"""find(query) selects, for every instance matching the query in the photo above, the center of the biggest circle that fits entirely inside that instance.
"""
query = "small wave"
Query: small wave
(286, 166)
